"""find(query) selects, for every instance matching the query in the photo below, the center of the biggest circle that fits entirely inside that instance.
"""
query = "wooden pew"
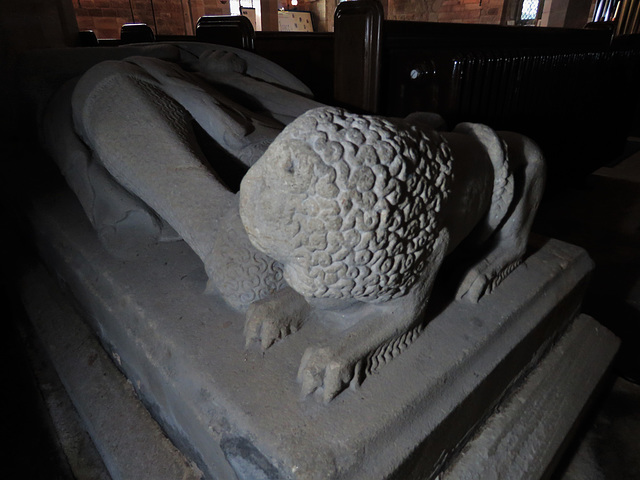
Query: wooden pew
(308, 56)
(572, 91)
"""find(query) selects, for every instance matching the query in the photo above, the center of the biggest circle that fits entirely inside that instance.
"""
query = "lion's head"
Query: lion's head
(348, 203)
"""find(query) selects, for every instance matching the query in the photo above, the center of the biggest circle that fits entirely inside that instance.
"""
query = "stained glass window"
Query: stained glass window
(529, 10)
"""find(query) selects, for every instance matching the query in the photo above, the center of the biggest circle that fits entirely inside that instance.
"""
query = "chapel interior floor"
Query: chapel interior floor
(602, 215)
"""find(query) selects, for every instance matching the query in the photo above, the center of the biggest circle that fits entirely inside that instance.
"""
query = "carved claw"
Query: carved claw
(322, 368)
(473, 286)
(261, 326)
(484, 278)
(273, 318)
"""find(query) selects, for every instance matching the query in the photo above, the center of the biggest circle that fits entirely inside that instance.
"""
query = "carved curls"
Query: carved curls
(367, 194)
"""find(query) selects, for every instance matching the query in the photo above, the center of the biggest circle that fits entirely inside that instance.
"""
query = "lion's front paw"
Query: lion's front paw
(473, 286)
(484, 278)
(321, 369)
(273, 318)
(265, 326)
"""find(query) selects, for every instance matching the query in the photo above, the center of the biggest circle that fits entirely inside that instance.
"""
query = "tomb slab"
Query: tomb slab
(238, 413)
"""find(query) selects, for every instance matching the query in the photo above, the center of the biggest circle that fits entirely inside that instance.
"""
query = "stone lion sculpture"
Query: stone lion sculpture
(361, 211)
(339, 217)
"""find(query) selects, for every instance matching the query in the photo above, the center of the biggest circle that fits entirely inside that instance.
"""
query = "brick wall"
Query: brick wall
(104, 17)
(457, 11)
(414, 10)
(165, 17)
(178, 17)
(471, 11)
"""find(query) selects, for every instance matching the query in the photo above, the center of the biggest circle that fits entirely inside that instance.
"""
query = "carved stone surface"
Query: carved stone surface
(137, 103)
(341, 225)
(357, 212)
(240, 273)
(361, 212)
(531, 419)
(238, 412)
(348, 217)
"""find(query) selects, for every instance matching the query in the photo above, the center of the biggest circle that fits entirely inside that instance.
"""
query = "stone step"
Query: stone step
(237, 412)
(530, 427)
(131, 444)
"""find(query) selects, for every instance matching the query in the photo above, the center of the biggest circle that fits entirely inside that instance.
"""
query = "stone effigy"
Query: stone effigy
(340, 218)
(186, 71)
(361, 211)
(307, 219)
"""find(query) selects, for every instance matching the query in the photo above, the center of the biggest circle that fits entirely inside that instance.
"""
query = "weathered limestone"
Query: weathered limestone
(362, 210)
(524, 437)
(347, 217)
(129, 441)
(235, 410)
(338, 233)
(144, 108)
